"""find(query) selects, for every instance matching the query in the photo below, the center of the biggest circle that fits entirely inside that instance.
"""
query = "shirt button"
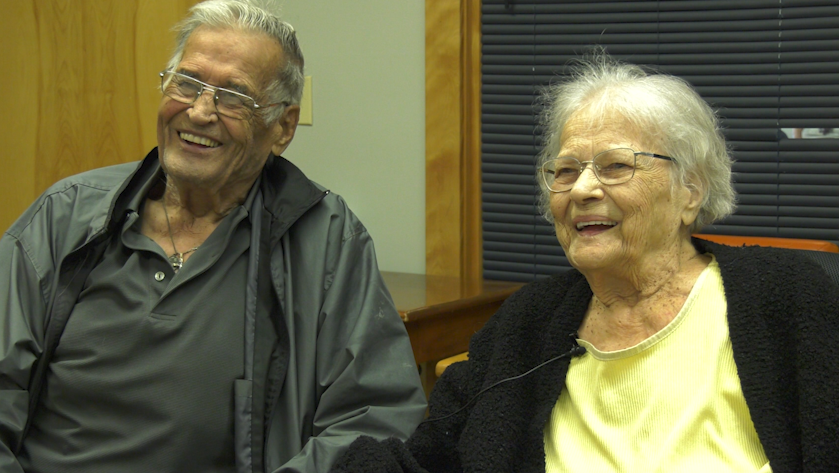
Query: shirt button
(159, 276)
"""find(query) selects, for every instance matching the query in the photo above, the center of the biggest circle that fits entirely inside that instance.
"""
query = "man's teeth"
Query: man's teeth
(582, 225)
(199, 140)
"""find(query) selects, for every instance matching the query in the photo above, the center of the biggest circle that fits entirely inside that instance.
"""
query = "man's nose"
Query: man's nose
(204, 105)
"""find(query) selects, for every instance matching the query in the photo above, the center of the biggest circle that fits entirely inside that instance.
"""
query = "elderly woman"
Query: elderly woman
(695, 357)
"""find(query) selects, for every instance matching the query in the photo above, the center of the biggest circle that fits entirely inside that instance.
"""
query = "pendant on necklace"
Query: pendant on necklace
(177, 260)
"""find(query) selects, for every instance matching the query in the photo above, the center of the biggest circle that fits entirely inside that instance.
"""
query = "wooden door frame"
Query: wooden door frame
(453, 244)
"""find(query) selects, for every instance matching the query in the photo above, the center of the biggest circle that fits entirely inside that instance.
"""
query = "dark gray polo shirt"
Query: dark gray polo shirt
(142, 380)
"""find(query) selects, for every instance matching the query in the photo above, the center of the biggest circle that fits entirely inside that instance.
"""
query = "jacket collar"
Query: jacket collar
(121, 204)
(287, 192)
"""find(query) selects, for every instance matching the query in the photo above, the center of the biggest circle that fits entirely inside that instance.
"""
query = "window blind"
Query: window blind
(770, 67)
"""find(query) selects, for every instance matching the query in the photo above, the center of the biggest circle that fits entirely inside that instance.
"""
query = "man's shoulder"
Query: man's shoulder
(333, 211)
(302, 204)
(81, 199)
(103, 179)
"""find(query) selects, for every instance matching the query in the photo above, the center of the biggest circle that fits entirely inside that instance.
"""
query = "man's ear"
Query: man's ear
(284, 128)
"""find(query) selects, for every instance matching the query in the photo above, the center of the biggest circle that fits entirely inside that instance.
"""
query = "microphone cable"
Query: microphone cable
(577, 350)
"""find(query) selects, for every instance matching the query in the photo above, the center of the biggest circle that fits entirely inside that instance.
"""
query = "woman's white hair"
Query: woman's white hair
(260, 16)
(663, 108)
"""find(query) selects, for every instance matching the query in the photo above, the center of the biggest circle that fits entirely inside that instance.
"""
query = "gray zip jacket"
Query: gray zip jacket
(312, 273)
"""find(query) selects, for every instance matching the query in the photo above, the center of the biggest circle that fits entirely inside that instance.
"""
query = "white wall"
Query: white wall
(367, 141)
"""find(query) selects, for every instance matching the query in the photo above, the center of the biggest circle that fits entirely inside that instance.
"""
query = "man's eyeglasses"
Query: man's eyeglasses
(614, 166)
(228, 102)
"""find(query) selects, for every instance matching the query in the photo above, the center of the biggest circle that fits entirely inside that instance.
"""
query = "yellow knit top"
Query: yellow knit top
(671, 403)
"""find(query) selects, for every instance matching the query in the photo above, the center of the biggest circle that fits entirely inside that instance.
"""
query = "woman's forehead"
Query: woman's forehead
(601, 129)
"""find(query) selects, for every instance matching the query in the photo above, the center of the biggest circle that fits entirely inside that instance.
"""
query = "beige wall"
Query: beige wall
(79, 88)
(367, 141)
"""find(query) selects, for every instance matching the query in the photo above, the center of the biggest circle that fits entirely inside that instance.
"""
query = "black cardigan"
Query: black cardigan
(783, 315)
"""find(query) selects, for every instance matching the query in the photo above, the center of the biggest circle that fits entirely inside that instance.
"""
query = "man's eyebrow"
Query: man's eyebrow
(242, 89)
(187, 73)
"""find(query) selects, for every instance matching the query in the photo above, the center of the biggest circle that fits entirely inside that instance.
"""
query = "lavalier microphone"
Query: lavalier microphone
(575, 351)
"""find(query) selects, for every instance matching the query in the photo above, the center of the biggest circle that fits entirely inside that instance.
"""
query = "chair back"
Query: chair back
(794, 243)
(824, 253)
(828, 261)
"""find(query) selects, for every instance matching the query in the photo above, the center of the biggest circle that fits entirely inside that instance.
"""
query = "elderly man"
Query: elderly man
(210, 309)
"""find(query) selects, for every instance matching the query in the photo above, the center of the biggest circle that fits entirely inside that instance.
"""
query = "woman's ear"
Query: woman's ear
(694, 196)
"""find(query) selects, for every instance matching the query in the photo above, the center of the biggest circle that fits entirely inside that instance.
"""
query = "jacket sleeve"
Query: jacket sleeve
(366, 376)
(434, 445)
(22, 310)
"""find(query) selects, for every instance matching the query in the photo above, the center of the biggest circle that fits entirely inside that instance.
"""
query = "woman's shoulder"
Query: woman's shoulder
(774, 282)
(543, 293)
(765, 263)
(553, 303)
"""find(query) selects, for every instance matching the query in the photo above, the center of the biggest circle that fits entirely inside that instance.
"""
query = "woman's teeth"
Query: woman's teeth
(582, 225)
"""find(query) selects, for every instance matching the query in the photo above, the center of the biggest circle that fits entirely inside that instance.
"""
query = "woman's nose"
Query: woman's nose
(586, 184)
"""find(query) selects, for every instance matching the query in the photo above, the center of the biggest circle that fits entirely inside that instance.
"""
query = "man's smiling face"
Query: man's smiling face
(198, 146)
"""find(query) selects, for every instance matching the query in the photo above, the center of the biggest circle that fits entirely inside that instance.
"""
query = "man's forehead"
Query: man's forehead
(237, 56)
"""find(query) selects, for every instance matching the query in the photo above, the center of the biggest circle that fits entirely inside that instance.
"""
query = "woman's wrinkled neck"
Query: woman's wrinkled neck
(634, 301)
(650, 275)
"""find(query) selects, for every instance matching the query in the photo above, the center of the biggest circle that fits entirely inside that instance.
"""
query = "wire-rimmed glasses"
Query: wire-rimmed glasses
(614, 166)
(228, 102)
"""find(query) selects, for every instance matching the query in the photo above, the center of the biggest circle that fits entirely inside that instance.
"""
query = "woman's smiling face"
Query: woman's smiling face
(618, 226)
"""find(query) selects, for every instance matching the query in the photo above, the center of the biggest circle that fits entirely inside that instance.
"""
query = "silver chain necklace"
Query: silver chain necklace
(176, 258)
